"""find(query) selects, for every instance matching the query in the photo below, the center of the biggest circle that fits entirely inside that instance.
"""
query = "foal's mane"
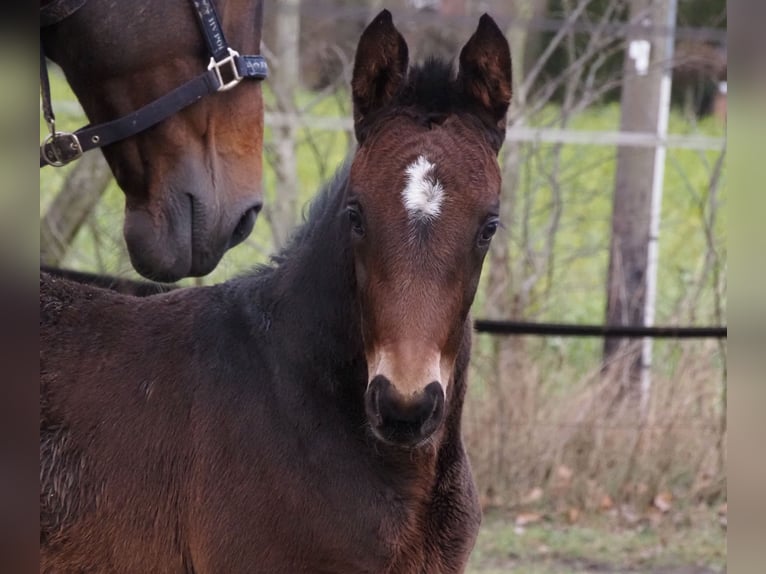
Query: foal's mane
(429, 90)
(320, 212)
(429, 93)
(314, 253)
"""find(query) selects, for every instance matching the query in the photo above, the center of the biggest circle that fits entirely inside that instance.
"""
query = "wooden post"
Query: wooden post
(646, 57)
(282, 211)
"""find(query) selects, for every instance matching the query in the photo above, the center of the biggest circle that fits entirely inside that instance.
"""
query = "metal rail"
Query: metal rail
(566, 330)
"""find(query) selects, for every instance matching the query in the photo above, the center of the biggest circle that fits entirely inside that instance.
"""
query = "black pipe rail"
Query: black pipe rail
(625, 331)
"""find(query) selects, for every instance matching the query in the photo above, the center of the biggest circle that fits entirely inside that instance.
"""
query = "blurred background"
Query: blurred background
(590, 454)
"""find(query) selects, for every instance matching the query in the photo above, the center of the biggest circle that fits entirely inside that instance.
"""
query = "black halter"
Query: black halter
(225, 70)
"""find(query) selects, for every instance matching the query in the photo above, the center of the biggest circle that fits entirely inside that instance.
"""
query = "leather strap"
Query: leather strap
(210, 24)
(62, 150)
(225, 70)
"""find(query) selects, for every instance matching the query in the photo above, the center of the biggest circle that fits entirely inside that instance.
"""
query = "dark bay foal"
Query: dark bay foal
(306, 417)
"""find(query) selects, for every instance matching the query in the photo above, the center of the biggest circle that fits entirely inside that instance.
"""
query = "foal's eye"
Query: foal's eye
(487, 232)
(355, 217)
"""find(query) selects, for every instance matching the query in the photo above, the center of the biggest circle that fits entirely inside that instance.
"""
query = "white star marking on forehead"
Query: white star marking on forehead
(423, 195)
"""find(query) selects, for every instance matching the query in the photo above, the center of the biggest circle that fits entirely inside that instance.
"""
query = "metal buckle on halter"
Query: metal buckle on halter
(230, 59)
(60, 148)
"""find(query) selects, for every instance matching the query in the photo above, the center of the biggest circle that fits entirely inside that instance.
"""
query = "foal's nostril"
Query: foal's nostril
(373, 404)
(403, 420)
(244, 226)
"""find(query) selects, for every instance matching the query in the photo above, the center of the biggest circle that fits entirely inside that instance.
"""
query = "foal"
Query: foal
(304, 418)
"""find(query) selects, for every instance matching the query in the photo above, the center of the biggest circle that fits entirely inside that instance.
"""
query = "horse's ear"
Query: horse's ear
(484, 76)
(380, 67)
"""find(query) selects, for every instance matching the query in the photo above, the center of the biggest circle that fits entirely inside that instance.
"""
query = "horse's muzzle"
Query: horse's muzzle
(403, 421)
(188, 241)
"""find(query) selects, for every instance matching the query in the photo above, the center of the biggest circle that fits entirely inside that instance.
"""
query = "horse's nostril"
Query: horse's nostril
(244, 226)
(403, 420)
(374, 405)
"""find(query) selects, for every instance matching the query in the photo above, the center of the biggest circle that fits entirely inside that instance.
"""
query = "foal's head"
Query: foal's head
(422, 206)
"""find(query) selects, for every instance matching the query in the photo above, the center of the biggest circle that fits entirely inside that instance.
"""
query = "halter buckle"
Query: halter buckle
(60, 148)
(220, 66)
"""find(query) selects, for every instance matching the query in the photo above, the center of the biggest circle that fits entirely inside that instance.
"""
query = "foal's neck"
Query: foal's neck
(311, 294)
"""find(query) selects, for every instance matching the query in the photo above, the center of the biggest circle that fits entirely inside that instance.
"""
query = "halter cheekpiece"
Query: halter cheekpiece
(226, 69)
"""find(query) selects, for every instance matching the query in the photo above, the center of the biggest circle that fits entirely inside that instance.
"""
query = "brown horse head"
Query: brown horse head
(192, 183)
(423, 198)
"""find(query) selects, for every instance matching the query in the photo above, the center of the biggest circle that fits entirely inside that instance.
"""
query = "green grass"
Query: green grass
(600, 544)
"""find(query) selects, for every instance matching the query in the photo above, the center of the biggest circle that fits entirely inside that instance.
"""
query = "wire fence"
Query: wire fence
(534, 135)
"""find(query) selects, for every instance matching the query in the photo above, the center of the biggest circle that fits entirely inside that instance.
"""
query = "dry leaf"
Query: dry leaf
(629, 514)
(489, 500)
(663, 501)
(573, 515)
(564, 473)
(533, 496)
(526, 518)
(723, 515)
(606, 502)
(562, 479)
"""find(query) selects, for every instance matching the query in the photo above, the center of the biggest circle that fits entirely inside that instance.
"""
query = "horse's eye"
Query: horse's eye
(355, 217)
(487, 232)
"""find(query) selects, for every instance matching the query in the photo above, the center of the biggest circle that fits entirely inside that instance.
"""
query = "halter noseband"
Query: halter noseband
(226, 69)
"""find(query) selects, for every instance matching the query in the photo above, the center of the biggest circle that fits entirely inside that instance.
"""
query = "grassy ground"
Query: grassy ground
(690, 543)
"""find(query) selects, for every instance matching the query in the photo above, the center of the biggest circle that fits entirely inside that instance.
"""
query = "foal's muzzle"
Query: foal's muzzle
(400, 420)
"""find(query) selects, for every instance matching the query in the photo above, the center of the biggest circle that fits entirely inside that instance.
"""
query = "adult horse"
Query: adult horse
(306, 417)
(160, 84)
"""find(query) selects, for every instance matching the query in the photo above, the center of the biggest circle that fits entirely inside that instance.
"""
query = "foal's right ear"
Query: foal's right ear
(380, 67)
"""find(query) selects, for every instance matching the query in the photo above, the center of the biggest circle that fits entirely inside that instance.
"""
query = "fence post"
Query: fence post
(283, 214)
(627, 280)
(665, 56)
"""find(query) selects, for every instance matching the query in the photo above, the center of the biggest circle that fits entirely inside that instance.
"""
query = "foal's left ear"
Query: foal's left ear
(484, 77)
(380, 67)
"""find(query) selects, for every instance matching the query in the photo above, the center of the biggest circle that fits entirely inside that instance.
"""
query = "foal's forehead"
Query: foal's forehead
(430, 187)
(423, 193)
(426, 172)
